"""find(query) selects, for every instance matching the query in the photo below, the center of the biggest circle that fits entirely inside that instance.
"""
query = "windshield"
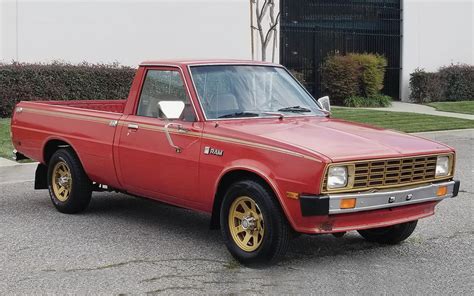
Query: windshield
(237, 91)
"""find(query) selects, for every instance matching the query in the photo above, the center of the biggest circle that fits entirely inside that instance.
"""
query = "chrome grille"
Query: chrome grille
(391, 172)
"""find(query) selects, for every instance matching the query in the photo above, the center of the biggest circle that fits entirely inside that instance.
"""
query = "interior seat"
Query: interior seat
(223, 103)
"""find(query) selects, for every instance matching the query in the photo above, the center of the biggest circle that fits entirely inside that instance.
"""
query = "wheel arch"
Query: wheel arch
(52, 145)
(237, 174)
(49, 148)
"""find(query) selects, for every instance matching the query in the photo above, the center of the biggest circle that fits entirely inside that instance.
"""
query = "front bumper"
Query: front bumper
(321, 205)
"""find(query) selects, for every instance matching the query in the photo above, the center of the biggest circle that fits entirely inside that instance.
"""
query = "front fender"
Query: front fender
(279, 185)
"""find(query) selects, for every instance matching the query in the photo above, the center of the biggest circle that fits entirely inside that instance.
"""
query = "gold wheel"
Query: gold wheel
(62, 181)
(246, 223)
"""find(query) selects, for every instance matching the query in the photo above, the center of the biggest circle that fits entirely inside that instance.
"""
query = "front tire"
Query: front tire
(390, 235)
(253, 226)
(69, 187)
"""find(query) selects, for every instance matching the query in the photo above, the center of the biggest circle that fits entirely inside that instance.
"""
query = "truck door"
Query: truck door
(147, 164)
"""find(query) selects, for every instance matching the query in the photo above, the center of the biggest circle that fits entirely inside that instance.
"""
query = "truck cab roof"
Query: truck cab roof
(191, 62)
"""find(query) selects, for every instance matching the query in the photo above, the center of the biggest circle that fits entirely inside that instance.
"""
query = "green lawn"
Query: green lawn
(466, 107)
(405, 122)
(6, 146)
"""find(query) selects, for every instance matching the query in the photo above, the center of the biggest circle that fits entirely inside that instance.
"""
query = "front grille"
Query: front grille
(391, 172)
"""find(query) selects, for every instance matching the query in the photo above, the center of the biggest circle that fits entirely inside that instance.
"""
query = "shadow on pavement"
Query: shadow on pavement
(178, 223)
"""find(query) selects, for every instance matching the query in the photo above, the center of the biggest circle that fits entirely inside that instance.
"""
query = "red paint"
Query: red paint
(290, 154)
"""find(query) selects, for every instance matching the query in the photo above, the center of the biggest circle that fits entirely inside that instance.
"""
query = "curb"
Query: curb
(432, 112)
(445, 131)
(5, 162)
(19, 172)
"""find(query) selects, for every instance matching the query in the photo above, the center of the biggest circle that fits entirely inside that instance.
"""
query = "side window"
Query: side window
(163, 85)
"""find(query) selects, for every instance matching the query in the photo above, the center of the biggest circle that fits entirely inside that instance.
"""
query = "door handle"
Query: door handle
(182, 129)
(179, 128)
(132, 126)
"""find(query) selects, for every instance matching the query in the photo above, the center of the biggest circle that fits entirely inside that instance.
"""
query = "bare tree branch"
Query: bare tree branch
(271, 30)
(275, 33)
(272, 13)
(259, 21)
(265, 37)
(264, 10)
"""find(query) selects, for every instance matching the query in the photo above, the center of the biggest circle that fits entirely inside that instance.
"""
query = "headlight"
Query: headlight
(337, 177)
(442, 166)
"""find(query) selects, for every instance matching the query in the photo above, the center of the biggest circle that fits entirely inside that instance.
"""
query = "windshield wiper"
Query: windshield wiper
(294, 109)
(239, 114)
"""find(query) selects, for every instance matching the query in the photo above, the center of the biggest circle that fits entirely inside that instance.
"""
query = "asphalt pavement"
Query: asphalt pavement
(126, 245)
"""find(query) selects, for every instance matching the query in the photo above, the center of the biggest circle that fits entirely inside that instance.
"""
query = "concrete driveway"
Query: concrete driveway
(135, 246)
(421, 109)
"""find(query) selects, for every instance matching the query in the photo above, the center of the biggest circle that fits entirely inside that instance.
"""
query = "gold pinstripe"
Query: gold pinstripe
(67, 115)
(258, 145)
(226, 140)
(162, 129)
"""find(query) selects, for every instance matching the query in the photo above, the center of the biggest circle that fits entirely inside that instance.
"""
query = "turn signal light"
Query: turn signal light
(292, 195)
(348, 203)
(443, 190)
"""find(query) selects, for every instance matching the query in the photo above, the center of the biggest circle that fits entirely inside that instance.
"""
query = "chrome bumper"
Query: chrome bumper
(389, 199)
(330, 204)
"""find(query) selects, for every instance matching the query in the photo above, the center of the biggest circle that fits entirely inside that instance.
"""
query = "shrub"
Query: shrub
(451, 83)
(378, 100)
(353, 75)
(425, 87)
(340, 78)
(458, 82)
(61, 81)
(372, 73)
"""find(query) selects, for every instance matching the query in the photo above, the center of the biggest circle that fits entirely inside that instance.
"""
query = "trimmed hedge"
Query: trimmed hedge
(62, 81)
(371, 73)
(458, 82)
(353, 75)
(425, 87)
(450, 83)
(340, 78)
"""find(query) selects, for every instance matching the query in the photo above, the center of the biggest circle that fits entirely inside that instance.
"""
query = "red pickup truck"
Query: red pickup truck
(243, 141)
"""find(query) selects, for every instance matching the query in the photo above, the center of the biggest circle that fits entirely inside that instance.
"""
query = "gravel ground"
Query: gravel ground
(127, 245)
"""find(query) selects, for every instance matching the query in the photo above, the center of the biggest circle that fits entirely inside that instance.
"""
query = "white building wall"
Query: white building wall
(8, 30)
(125, 31)
(435, 33)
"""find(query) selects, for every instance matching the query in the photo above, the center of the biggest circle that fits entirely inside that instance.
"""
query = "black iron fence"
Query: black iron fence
(313, 29)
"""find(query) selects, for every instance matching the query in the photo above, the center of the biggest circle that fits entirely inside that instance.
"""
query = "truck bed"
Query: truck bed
(87, 125)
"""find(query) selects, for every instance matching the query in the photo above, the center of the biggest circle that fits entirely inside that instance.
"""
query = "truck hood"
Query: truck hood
(335, 139)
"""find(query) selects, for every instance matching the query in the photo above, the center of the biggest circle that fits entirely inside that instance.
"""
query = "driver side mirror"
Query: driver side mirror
(172, 109)
(325, 103)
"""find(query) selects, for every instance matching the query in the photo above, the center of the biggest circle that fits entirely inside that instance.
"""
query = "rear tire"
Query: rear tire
(390, 235)
(69, 187)
(253, 226)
